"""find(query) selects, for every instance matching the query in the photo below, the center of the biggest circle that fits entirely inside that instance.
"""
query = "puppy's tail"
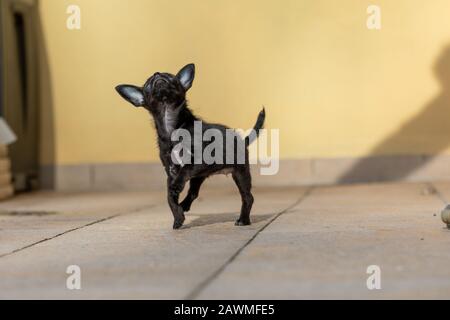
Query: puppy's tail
(258, 126)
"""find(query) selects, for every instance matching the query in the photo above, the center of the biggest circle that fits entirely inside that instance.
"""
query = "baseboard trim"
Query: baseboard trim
(292, 172)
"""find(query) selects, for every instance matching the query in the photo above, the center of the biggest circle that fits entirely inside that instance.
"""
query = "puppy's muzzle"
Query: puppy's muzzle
(161, 88)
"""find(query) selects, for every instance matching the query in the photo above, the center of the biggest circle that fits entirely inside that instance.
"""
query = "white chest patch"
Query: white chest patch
(170, 119)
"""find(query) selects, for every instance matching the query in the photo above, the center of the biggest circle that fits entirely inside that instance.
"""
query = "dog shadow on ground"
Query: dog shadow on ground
(214, 218)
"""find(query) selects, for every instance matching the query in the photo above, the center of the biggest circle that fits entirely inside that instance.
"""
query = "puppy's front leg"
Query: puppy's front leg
(175, 186)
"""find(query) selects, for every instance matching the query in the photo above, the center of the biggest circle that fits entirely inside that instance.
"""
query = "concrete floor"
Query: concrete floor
(304, 243)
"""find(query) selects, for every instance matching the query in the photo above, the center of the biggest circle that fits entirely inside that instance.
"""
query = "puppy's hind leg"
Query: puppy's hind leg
(194, 188)
(243, 180)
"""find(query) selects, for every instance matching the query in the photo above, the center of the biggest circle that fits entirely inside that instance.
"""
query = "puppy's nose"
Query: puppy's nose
(159, 82)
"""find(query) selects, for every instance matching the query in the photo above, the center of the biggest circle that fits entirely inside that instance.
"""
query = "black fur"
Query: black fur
(164, 96)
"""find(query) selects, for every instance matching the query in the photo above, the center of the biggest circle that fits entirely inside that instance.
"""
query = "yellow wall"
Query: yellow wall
(333, 88)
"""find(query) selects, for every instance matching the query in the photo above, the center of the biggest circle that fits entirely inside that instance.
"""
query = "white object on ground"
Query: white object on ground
(7, 136)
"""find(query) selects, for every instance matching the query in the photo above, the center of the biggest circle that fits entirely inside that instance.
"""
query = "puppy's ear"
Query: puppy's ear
(132, 94)
(186, 76)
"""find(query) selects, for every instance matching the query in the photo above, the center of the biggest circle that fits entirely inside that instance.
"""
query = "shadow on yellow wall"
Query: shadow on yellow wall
(429, 130)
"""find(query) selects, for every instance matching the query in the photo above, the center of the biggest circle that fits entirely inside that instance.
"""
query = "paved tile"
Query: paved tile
(136, 254)
(322, 248)
(28, 219)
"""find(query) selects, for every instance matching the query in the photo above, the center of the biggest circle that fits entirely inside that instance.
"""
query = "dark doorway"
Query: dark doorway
(20, 89)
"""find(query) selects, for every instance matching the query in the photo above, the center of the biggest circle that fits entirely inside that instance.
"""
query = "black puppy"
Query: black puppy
(164, 96)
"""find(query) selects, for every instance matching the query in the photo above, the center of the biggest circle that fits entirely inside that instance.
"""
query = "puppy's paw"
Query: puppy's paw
(178, 223)
(186, 205)
(242, 222)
